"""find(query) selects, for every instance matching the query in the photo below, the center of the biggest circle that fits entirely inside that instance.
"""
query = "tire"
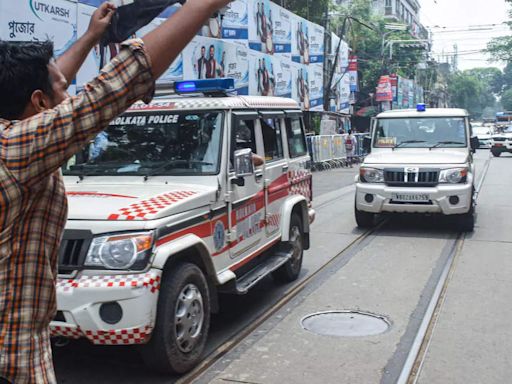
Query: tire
(496, 153)
(364, 219)
(466, 221)
(290, 271)
(184, 299)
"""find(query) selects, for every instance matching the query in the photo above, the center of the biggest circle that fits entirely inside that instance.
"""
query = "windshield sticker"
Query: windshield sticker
(386, 141)
(145, 119)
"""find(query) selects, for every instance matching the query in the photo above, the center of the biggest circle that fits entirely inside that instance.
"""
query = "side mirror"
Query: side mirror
(475, 143)
(367, 144)
(243, 163)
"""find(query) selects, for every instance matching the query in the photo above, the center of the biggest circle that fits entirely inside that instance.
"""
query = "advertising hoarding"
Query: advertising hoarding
(261, 37)
(269, 75)
(300, 84)
(384, 91)
(235, 24)
(300, 39)
(316, 87)
(208, 58)
(281, 28)
(316, 43)
(352, 71)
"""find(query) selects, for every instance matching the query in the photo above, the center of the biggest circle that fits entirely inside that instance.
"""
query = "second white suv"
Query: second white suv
(421, 161)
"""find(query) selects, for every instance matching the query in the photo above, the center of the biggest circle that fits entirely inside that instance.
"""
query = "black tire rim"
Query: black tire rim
(188, 318)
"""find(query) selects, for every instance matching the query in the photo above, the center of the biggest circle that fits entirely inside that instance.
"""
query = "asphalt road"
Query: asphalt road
(393, 272)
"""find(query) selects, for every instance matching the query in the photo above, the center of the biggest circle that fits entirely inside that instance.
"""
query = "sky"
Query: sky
(468, 23)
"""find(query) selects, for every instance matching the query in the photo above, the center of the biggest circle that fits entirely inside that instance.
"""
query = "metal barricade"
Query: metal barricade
(327, 151)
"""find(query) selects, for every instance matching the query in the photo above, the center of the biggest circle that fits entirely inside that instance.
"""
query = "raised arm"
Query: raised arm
(71, 61)
(53, 136)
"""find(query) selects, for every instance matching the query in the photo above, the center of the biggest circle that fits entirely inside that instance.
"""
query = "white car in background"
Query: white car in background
(502, 142)
(484, 135)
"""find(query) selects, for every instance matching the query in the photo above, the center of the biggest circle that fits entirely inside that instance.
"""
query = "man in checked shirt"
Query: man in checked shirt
(41, 127)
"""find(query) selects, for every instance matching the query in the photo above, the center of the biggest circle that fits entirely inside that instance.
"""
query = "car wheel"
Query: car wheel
(496, 153)
(290, 271)
(466, 221)
(182, 321)
(364, 219)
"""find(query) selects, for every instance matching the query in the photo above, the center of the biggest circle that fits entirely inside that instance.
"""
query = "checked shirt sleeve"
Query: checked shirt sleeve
(34, 148)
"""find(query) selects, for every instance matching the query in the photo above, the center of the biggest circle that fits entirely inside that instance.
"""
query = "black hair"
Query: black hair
(23, 70)
(212, 46)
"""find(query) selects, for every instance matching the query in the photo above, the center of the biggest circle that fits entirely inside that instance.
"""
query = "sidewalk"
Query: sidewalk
(472, 341)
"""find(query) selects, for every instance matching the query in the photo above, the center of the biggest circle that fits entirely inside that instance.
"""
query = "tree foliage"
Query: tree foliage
(506, 100)
(473, 90)
(500, 48)
(312, 10)
(366, 34)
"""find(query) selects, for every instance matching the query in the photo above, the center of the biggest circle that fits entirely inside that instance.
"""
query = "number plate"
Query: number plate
(410, 197)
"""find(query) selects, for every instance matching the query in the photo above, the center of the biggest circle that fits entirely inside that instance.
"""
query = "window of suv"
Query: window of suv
(154, 143)
(295, 136)
(272, 138)
(425, 132)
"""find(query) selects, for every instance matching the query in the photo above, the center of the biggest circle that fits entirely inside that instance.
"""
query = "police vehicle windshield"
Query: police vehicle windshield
(445, 132)
(153, 144)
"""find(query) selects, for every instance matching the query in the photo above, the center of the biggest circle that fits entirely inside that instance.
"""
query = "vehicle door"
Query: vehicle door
(247, 200)
(299, 173)
(276, 168)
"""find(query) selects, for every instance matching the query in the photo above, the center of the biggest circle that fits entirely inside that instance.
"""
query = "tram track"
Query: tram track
(289, 295)
(415, 358)
(413, 365)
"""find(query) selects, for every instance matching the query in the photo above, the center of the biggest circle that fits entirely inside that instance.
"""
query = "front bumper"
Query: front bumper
(79, 301)
(439, 199)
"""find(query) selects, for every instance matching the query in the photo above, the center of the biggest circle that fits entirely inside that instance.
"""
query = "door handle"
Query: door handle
(258, 176)
(285, 168)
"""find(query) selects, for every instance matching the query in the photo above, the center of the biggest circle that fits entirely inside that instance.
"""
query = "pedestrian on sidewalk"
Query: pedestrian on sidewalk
(350, 146)
(41, 127)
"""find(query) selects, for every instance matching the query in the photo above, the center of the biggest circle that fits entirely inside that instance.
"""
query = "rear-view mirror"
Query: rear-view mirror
(243, 162)
(367, 144)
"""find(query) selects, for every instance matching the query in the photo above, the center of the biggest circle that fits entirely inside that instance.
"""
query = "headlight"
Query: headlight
(453, 176)
(130, 251)
(371, 175)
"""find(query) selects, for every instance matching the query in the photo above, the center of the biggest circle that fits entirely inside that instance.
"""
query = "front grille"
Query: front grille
(73, 250)
(400, 177)
(500, 139)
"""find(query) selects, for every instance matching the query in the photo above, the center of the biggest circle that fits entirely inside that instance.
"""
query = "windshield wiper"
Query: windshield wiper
(408, 142)
(445, 143)
(170, 164)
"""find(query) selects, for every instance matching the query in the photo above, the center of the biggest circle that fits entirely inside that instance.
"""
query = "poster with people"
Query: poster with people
(261, 26)
(316, 87)
(208, 58)
(270, 75)
(316, 43)
(282, 32)
(344, 84)
(300, 39)
(235, 23)
(35, 21)
(300, 84)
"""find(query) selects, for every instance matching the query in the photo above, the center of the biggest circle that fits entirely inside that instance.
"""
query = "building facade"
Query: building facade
(399, 11)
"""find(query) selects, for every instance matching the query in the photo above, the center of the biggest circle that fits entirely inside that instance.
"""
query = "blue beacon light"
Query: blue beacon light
(205, 86)
(421, 107)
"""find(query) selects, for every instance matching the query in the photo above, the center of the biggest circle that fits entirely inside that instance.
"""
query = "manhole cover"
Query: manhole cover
(345, 323)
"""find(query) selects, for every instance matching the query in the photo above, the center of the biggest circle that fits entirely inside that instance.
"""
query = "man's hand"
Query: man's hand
(100, 21)
(71, 61)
